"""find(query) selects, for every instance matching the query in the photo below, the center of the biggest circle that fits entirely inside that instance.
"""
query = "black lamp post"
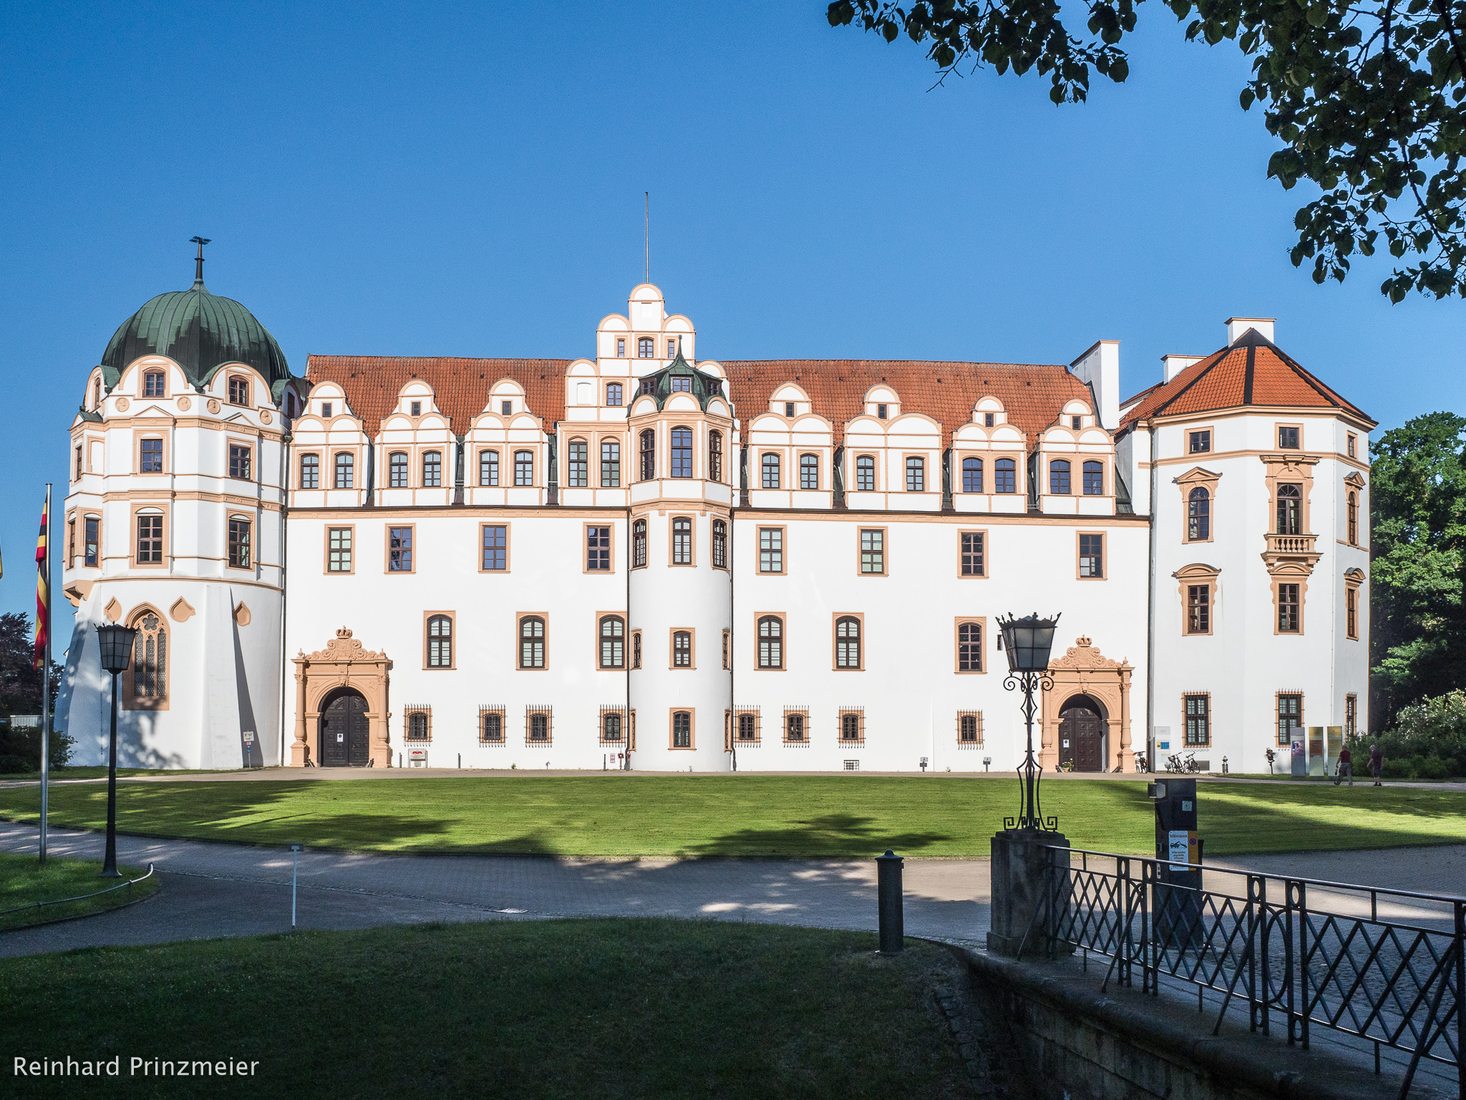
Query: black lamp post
(1027, 641)
(116, 644)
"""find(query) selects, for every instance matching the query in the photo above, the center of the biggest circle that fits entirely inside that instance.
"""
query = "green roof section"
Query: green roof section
(701, 385)
(201, 332)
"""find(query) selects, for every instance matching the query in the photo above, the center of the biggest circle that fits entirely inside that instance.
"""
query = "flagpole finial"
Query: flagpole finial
(198, 261)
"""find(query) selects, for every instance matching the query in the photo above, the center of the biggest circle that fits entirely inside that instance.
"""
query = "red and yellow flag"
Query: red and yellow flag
(43, 589)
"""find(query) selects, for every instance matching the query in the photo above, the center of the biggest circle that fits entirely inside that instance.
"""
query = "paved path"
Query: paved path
(210, 889)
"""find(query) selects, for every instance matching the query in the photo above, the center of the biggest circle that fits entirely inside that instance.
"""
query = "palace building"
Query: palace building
(651, 559)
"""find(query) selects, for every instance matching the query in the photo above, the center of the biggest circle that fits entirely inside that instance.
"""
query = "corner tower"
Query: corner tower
(174, 527)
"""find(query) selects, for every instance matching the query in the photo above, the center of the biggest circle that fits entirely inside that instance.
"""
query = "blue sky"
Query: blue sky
(467, 179)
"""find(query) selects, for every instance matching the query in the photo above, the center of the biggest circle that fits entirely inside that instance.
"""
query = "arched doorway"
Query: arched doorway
(343, 729)
(1082, 734)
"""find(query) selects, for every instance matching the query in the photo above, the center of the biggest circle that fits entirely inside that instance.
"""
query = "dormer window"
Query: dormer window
(416, 408)
(238, 390)
(1076, 422)
(681, 384)
(153, 382)
(613, 395)
(989, 419)
(789, 408)
(506, 407)
(881, 411)
(646, 347)
(326, 410)
(621, 347)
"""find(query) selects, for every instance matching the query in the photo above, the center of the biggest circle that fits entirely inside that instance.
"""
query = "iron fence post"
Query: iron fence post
(1298, 983)
(1257, 943)
(1460, 930)
(1126, 940)
(1149, 981)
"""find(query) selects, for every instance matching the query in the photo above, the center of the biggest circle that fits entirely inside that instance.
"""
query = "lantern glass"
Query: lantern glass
(116, 646)
(1028, 641)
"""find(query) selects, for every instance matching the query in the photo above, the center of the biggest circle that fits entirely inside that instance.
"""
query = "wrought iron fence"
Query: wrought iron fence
(1385, 966)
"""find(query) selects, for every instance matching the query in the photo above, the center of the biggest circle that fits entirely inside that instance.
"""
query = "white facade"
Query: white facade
(645, 560)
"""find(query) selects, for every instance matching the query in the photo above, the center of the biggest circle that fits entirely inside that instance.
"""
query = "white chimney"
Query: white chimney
(1172, 365)
(1237, 327)
(1100, 367)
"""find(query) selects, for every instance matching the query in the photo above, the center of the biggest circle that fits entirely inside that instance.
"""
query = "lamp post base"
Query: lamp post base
(1023, 889)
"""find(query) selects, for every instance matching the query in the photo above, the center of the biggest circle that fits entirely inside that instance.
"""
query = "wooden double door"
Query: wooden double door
(344, 731)
(1082, 735)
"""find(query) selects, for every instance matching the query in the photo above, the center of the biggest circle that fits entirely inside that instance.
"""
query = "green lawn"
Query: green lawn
(23, 881)
(553, 1009)
(739, 815)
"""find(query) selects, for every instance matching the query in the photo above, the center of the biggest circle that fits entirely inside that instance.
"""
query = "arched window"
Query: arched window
(809, 471)
(969, 647)
(613, 394)
(915, 475)
(865, 473)
(646, 347)
(770, 465)
(638, 544)
(1353, 518)
(1005, 476)
(715, 456)
(1094, 479)
(153, 383)
(523, 467)
(432, 468)
(1198, 515)
(1058, 477)
(531, 642)
(310, 471)
(147, 675)
(847, 642)
(1290, 510)
(720, 544)
(488, 467)
(681, 649)
(682, 541)
(770, 641)
(345, 470)
(579, 467)
(610, 464)
(613, 641)
(96, 392)
(682, 729)
(440, 641)
(681, 452)
(397, 470)
(648, 455)
(91, 540)
(972, 475)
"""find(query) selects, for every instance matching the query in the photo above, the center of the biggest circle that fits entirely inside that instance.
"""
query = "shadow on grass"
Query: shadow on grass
(837, 835)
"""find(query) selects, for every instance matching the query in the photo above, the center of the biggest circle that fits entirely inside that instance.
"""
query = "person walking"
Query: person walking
(1376, 763)
(1346, 767)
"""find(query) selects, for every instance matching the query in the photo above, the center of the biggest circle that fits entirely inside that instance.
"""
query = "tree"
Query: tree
(20, 693)
(1366, 97)
(1418, 482)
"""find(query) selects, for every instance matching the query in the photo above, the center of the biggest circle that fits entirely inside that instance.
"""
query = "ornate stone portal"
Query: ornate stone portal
(345, 662)
(1084, 671)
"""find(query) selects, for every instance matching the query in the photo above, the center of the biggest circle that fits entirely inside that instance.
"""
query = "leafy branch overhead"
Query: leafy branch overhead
(1366, 98)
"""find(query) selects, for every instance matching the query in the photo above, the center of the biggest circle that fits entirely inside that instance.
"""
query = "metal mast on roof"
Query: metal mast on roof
(646, 227)
(198, 263)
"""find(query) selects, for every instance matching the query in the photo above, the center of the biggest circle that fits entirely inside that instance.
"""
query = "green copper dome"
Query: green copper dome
(200, 331)
(661, 385)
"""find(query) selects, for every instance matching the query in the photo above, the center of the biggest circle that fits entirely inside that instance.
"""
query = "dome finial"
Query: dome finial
(198, 263)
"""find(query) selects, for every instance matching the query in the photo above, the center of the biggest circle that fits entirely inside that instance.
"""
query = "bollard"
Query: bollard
(889, 901)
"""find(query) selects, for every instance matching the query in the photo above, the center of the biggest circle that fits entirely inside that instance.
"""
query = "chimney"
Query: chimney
(1100, 367)
(1172, 365)
(1237, 327)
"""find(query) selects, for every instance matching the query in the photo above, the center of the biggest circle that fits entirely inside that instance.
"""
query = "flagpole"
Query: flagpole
(46, 681)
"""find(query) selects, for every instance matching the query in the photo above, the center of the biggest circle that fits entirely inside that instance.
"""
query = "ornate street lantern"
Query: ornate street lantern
(115, 643)
(1027, 642)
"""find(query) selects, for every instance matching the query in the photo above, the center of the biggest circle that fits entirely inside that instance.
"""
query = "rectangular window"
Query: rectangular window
(969, 729)
(1351, 715)
(77, 474)
(727, 650)
(771, 550)
(1094, 479)
(747, 728)
(491, 725)
(916, 475)
(809, 472)
(432, 469)
(720, 544)
(310, 471)
(399, 549)
(682, 729)
(494, 548)
(1290, 717)
(851, 725)
(770, 470)
(1351, 445)
(1092, 556)
(239, 540)
(796, 725)
(1290, 608)
(523, 468)
(682, 649)
(417, 722)
(1005, 476)
(1288, 437)
(638, 544)
(610, 465)
(1198, 719)
(613, 725)
(397, 470)
(153, 383)
(91, 543)
(1199, 442)
(597, 549)
(1351, 612)
(579, 472)
(681, 541)
(338, 549)
(238, 390)
(150, 456)
(865, 474)
(1198, 609)
(538, 727)
(973, 562)
(150, 539)
(345, 471)
(872, 551)
(488, 467)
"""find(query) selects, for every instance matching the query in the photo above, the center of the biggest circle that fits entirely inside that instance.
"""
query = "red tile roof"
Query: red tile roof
(1252, 371)
(1033, 395)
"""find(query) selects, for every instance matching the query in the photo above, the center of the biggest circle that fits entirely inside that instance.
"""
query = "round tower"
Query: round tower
(680, 585)
(173, 526)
